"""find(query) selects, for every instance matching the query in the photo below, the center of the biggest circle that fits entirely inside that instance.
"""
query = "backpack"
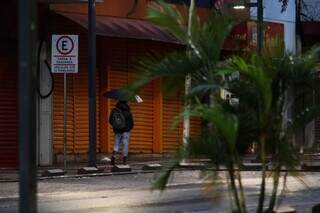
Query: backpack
(117, 121)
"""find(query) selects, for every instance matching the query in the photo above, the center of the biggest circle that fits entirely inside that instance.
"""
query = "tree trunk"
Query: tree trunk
(263, 176)
(187, 104)
(275, 188)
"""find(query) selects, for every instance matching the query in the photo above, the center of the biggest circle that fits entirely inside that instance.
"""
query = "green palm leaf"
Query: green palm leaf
(224, 122)
(168, 17)
(254, 72)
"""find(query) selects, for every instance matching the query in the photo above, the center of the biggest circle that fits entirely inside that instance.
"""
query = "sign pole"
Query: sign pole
(65, 120)
(64, 59)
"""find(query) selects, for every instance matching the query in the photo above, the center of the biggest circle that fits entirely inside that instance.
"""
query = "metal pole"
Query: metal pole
(260, 25)
(27, 106)
(65, 120)
(92, 81)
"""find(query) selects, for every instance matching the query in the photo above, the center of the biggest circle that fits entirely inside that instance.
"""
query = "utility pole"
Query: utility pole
(27, 105)
(92, 81)
(260, 36)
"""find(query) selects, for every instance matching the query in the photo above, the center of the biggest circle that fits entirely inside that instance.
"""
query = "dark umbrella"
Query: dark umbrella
(122, 95)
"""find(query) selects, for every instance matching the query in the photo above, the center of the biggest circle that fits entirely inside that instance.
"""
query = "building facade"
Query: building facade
(123, 36)
(308, 28)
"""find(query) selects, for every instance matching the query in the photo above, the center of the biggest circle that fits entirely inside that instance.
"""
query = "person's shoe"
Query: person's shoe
(124, 160)
(113, 159)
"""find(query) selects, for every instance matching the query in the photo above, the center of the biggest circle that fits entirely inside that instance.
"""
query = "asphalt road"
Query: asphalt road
(132, 194)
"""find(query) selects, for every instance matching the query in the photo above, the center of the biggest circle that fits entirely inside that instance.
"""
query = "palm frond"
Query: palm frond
(210, 146)
(226, 123)
(161, 182)
(211, 36)
(174, 67)
(203, 89)
(168, 17)
(301, 69)
(248, 128)
(304, 117)
(254, 72)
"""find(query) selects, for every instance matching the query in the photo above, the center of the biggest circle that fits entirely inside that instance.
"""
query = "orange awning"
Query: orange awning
(124, 28)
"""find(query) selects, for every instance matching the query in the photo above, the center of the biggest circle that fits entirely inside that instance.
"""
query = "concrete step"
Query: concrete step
(152, 166)
(194, 165)
(88, 170)
(284, 209)
(252, 166)
(310, 165)
(105, 160)
(121, 168)
(53, 172)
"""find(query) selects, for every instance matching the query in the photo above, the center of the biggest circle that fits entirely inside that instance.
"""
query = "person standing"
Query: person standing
(121, 121)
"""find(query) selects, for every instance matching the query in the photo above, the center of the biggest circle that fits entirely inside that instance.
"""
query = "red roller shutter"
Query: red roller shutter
(142, 134)
(58, 137)
(8, 111)
(116, 79)
(122, 55)
(172, 137)
(81, 108)
(78, 106)
(77, 111)
(195, 127)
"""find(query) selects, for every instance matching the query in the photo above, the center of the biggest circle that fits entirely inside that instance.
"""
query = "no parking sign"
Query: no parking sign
(64, 54)
(64, 59)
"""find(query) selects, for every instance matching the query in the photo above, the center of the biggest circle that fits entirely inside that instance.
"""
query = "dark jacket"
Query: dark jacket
(125, 109)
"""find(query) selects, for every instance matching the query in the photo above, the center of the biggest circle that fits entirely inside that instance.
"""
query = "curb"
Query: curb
(141, 171)
(102, 174)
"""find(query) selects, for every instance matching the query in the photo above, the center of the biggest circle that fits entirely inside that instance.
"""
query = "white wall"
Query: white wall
(45, 113)
(272, 13)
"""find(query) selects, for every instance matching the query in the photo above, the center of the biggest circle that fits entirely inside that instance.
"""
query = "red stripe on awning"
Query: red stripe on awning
(124, 28)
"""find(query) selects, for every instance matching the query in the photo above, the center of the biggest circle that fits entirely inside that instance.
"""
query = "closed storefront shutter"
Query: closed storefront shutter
(58, 135)
(143, 131)
(8, 111)
(120, 73)
(81, 101)
(81, 109)
(195, 127)
(172, 137)
(116, 79)
(142, 134)
(141, 140)
(81, 114)
(78, 107)
(77, 110)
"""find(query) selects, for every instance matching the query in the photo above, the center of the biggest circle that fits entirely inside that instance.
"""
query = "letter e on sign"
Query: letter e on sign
(64, 58)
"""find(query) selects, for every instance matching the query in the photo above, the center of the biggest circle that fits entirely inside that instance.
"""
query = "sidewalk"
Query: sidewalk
(136, 162)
